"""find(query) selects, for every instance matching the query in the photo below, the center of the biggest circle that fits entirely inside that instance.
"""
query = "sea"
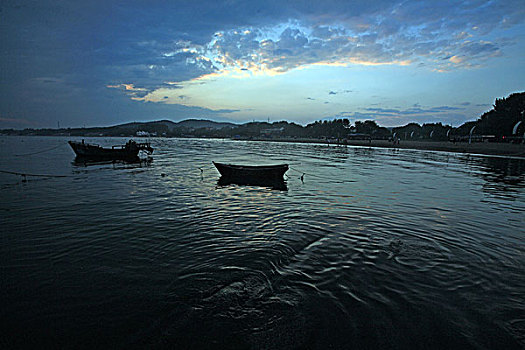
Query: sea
(362, 248)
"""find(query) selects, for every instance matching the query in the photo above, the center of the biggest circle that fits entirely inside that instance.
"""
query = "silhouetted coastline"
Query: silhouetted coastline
(500, 131)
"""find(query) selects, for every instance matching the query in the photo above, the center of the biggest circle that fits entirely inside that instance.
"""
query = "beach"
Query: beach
(484, 148)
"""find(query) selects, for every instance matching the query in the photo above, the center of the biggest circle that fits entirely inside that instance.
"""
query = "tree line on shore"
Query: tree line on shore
(501, 123)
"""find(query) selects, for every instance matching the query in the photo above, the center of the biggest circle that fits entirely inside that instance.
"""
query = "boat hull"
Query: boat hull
(129, 151)
(252, 173)
(87, 161)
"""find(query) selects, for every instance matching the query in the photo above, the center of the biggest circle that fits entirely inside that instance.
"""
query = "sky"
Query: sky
(101, 63)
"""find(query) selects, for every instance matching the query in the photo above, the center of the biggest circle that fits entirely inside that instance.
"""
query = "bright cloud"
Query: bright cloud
(251, 53)
(291, 45)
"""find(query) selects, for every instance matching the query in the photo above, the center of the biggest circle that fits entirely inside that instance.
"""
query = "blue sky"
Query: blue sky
(100, 63)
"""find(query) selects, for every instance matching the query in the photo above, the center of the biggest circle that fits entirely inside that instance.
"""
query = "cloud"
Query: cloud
(428, 34)
(398, 116)
(165, 44)
(332, 92)
(15, 121)
(131, 90)
(443, 109)
(412, 111)
(226, 110)
(63, 53)
(456, 59)
(378, 33)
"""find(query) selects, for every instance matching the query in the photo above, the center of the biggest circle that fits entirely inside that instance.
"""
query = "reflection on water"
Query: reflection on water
(83, 161)
(376, 248)
(507, 171)
(273, 184)
(502, 176)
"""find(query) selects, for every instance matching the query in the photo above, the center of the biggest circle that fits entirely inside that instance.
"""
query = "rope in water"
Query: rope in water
(45, 150)
(318, 176)
(26, 174)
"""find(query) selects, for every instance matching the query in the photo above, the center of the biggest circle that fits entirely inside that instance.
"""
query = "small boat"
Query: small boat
(129, 151)
(252, 172)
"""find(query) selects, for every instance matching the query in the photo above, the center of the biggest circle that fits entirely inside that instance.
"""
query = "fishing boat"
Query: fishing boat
(252, 172)
(129, 151)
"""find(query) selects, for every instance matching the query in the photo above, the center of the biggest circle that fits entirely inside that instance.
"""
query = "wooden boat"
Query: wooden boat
(129, 151)
(133, 162)
(252, 172)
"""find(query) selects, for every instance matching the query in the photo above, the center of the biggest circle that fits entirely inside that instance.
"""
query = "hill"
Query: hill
(202, 123)
(168, 125)
(504, 123)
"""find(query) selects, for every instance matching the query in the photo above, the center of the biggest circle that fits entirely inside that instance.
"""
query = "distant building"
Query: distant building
(141, 133)
(271, 132)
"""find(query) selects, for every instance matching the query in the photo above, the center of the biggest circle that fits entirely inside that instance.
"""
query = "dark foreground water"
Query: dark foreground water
(377, 248)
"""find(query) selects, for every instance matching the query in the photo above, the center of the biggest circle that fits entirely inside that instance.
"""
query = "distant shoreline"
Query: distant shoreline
(482, 148)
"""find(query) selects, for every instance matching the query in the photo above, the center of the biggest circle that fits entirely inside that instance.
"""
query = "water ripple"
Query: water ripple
(403, 249)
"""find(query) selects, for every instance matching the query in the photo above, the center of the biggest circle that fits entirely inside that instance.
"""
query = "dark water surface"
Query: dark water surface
(378, 248)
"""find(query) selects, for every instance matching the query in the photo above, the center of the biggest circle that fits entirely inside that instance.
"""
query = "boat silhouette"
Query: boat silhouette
(129, 151)
(252, 175)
